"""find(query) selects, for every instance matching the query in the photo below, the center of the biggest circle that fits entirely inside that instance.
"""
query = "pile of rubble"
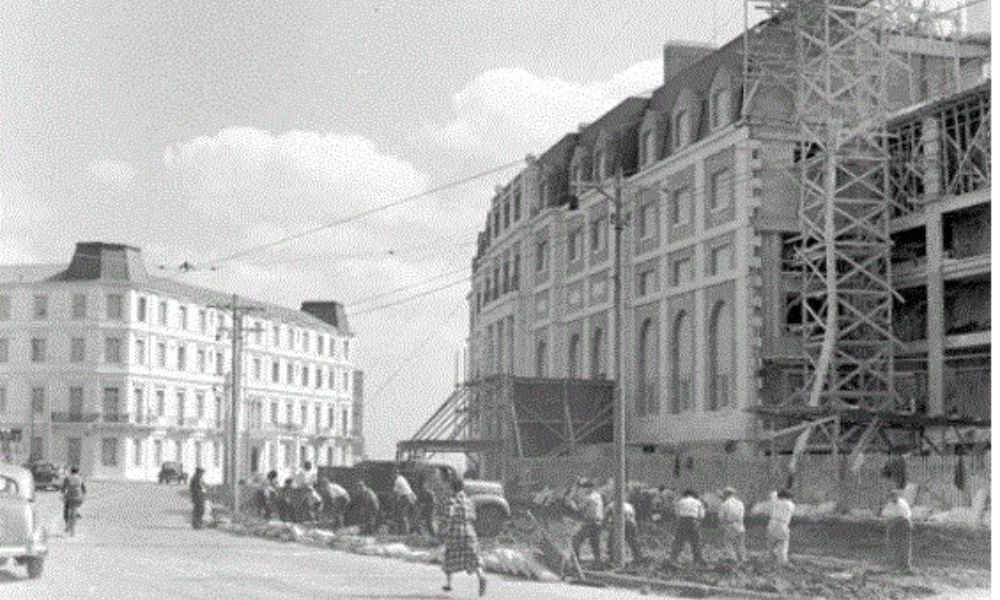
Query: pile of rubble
(507, 561)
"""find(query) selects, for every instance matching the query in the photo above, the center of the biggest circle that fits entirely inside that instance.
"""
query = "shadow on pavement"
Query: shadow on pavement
(7, 577)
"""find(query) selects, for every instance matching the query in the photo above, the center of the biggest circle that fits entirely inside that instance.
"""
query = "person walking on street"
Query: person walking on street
(731, 513)
(689, 511)
(73, 491)
(198, 498)
(403, 502)
(589, 507)
(461, 544)
(425, 505)
(778, 527)
(899, 531)
(631, 529)
(367, 507)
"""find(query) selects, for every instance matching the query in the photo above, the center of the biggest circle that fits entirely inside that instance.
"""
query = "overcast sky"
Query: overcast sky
(195, 129)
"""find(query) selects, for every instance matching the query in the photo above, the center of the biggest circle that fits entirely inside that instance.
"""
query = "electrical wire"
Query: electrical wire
(366, 254)
(366, 299)
(361, 214)
(410, 298)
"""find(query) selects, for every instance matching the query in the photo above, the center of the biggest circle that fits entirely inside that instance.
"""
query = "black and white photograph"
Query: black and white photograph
(445, 299)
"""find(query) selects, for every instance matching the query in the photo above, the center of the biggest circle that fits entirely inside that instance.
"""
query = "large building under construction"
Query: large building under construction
(806, 234)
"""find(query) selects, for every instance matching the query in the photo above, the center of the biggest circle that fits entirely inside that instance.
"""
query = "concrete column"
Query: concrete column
(935, 280)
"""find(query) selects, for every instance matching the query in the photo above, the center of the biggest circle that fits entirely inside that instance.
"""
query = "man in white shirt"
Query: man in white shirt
(631, 528)
(590, 509)
(899, 530)
(689, 511)
(778, 527)
(403, 502)
(731, 513)
(305, 477)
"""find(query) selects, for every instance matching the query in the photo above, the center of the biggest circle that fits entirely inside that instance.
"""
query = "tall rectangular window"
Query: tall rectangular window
(721, 192)
(305, 375)
(77, 350)
(201, 360)
(647, 220)
(4, 350)
(276, 336)
(345, 422)
(257, 374)
(157, 452)
(181, 357)
(541, 256)
(109, 404)
(199, 404)
(721, 259)
(347, 350)
(575, 244)
(76, 400)
(112, 350)
(140, 351)
(682, 129)
(38, 350)
(680, 206)
(113, 307)
(202, 320)
(137, 452)
(275, 372)
(162, 313)
(289, 374)
(517, 205)
(183, 314)
(3, 399)
(40, 308)
(161, 355)
(161, 403)
(109, 452)
(197, 454)
(597, 235)
(79, 307)
(4, 307)
(141, 309)
(38, 400)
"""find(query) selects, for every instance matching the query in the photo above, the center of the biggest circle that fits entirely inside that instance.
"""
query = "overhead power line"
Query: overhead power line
(409, 298)
(403, 288)
(361, 214)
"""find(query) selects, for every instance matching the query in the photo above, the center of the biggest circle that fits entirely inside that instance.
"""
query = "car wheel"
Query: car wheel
(35, 565)
(489, 521)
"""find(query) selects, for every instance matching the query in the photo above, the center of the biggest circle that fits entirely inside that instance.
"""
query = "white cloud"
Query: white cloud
(508, 112)
(112, 173)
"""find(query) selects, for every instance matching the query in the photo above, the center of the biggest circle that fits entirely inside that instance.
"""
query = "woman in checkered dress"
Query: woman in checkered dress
(461, 545)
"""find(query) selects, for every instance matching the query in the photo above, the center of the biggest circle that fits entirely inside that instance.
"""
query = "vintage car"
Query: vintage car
(47, 476)
(22, 537)
(172, 472)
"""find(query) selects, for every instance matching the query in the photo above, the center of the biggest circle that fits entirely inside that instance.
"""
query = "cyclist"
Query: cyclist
(73, 491)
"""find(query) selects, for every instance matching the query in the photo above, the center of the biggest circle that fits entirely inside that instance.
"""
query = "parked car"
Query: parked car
(46, 476)
(172, 472)
(22, 538)
(491, 507)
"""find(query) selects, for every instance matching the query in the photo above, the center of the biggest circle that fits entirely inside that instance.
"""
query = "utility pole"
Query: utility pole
(618, 221)
(232, 435)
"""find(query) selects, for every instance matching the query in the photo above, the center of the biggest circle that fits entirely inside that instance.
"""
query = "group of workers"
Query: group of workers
(596, 514)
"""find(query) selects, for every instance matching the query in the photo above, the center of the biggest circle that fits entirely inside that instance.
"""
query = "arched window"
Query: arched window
(573, 366)
(720, 356)
(683, 119)
(647, 400)
(682, 358)
(541, 360)
(720, 107)
(597, 370)
(648, 142)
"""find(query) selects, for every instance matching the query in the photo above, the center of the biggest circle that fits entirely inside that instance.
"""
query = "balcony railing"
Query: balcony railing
(75, 417)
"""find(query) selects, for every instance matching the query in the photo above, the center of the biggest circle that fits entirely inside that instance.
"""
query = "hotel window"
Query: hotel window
(506, 276)
(38, 347)
(161, 355)
(721, 191)
(319, 378)
(600, 168)
(320, 344)
(683, 271)
(113, 307)
(305, 375)
(4, 350)
(506, 214)
(219, 363)
(597, 228)
(37, 400)
(201, 361)
(4, 308)
(347, 350)
(140, 310)
(305, 341)
(290, 339)
(77, 350)
(290, 374)
(202, 321)
(162, 314)
(647, 220)
(648, 147)
(721, 259)
(161, 402)
(275, 372)
(577, 174)
(274, 412)
(515, 281)
(682, 129)
(345, 421)
(541, 255)
(199, 404)
(275, 336)
(109, 452)
(496, 223)
(517, 205)
(137, 452)
(647, 282)
(256, 369)
(183, 314)
(347, 381)
(40, 307)
(680, 207)
(575, 244)
(79, 310)
(720, 108)
(181, 358)
(3, 399)
(140, 351)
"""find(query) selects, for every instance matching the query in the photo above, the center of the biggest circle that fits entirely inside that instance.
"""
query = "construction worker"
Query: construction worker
(778, 527)
(403, 503)
(899, 530)
(689, 511)
(731, 513)
(589, 507)
(631, 528)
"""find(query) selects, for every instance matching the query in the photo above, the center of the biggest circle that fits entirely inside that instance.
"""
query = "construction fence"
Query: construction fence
(819, 478)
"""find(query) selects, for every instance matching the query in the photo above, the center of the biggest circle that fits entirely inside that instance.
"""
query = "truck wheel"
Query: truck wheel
(35, 565)
(489, 521)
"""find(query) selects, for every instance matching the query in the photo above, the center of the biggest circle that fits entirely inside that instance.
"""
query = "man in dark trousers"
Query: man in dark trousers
(367, 507)
(589, 506)
(689, 511)
(198, 497)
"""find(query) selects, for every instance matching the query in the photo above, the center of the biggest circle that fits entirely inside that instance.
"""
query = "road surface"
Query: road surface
(134, 542)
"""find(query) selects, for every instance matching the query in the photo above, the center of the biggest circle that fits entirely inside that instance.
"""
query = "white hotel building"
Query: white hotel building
(107, 367)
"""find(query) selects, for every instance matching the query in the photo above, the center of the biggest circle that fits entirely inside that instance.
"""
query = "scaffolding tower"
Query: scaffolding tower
(833, 59)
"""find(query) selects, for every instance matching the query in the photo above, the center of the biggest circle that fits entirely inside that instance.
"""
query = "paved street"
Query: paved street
(134, 542)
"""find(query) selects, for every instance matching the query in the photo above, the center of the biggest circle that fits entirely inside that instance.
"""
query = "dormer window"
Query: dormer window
(720, 108)
(647, 149)
(682, 129)
(600, 171)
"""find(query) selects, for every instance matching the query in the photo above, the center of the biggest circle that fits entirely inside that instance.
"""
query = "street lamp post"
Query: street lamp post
(619, 220)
